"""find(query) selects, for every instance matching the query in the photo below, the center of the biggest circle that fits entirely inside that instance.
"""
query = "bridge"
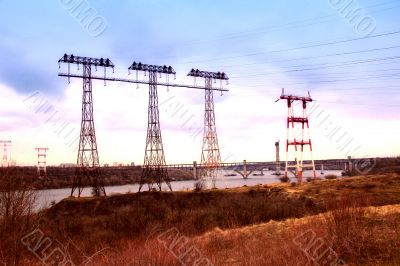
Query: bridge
(245, 169)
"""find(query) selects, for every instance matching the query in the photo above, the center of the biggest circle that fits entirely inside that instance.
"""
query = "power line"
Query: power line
(361, 104)
(374, 79)
(299, 48)
(286, 26)
(378, 90)
(323, 65)
(314, 57)
(332, 74)
(273, 97)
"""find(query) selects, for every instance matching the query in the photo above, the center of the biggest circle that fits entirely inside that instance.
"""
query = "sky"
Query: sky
(343, 52)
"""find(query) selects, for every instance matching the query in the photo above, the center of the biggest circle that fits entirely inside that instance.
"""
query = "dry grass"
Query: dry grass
(244, 226)
(358, 236)
(369, 242)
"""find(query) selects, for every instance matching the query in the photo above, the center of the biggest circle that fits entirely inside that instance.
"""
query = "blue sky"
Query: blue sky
(263, 46)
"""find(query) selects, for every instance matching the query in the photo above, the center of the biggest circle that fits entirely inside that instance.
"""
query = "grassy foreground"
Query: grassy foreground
(353, 221)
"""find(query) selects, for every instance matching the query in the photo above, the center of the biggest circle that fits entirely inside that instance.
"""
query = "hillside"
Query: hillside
(357, 219)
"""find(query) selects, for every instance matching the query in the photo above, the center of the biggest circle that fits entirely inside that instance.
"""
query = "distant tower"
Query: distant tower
(6, 144)
(87, 171)
(210, 154)
(154, 169)
(41, 165)
(278, 161)
(292, 121)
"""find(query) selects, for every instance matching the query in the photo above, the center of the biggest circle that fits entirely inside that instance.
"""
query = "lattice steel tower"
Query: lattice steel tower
(154, 169)
(87, 171)
(6, 144)
(41, 165)
(292, 121)
(210, 154)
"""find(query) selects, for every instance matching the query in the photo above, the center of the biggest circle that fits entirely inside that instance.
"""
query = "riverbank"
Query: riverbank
(229, 226)
(196, 212)
(62, 177)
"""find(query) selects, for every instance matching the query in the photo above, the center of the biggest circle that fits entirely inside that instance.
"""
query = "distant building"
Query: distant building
(65, 165)
(116, 164)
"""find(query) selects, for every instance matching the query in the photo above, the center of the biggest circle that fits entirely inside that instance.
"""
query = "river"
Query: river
(47, 196)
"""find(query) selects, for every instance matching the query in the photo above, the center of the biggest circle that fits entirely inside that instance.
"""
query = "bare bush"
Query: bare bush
(199, 185)
(330, 177)
(17, 202)
(284, 179)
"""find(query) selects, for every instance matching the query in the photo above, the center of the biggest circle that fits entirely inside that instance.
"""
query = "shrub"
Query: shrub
(284, 179)
(330, 177)
(199, 185)
(17, 203)
(369, 186)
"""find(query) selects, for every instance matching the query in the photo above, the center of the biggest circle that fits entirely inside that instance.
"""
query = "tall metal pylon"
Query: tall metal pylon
(87, 171)
(293, 120)
(41, 165)
(210, 153)
(154, 169)
(154, 154)
(6, 144)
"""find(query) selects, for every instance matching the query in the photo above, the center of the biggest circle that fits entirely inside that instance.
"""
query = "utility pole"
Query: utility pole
(293, 120)
(87, 171)
(210, 153)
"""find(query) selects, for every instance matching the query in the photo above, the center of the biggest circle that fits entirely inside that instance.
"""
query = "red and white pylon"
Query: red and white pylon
(292, 121)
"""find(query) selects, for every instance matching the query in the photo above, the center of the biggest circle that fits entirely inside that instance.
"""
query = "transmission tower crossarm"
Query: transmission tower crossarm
(86, 62)
(159, 83)
(295, 98)
(80, 60)
(207, 74)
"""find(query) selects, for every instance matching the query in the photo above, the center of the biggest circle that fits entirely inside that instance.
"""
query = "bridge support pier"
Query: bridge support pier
(277, 160)
(245, 174)
(350, 168)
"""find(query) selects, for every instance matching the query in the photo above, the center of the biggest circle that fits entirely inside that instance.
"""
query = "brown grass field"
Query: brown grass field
(345, 221)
